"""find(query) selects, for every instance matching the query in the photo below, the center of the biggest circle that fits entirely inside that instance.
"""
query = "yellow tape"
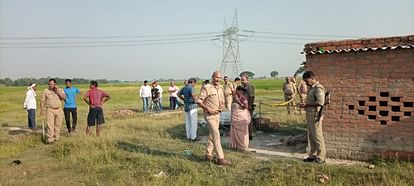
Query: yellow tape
(280, 104)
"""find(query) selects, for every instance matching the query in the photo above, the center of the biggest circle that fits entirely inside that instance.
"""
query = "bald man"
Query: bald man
(211, 100)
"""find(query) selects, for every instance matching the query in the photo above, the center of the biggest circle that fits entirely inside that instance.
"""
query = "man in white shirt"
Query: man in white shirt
(30, 105)
(160, 90)
(173, 90)
(145, 94)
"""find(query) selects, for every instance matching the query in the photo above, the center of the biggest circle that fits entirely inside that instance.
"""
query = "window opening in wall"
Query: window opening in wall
(372, 117)
(383, 113)
(395, 118)
(395, 99)
(351, 107)
(408, 104)
(361, 103)
(395, 108)
(382, 122)
(361, 112)
(383, 103)
(407, 113)
(372, 98)
(372, 108)
(384, 94)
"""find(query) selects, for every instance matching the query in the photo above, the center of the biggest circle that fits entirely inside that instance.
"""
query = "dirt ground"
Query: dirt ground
(267, 144)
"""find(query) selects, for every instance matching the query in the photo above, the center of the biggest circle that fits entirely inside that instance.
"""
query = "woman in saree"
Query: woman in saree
(240, 119)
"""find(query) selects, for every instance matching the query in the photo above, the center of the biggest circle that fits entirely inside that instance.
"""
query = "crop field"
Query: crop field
(144, 149)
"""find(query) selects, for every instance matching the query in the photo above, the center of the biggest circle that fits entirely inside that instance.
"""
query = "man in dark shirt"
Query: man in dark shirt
(190, 107)
(249, 93)
(155, 96)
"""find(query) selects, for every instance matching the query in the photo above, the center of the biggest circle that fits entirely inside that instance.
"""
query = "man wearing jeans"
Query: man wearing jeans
(145, 94)
(70, 105)
(190, 107)
(160, 90)
(30, 105)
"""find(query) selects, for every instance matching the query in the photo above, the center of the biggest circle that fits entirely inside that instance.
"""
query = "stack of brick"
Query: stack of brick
(372, 96)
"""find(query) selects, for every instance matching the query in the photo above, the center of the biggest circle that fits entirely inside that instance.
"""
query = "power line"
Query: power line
(283, 38)
(270, 42)
(297, 34)
(106, 42)
(104, 37)
(108, 45)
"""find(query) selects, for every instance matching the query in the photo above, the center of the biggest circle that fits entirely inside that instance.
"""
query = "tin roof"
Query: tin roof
(360, 45)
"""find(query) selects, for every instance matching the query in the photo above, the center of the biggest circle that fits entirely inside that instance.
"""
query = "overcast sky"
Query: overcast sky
(104, 18)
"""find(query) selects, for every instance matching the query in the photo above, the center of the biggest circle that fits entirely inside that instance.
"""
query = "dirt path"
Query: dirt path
(269, 145)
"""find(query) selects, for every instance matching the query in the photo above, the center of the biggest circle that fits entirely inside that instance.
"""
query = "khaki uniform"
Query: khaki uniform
(54, 113)
(316, 94)
(213, 97)
(303, 93)
(289, 89)
(228, 95)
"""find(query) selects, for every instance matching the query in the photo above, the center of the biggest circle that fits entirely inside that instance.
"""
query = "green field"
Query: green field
(148, 150)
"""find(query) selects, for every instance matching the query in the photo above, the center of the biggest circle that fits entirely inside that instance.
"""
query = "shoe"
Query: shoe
(319, 161)
(208, 158)
(73, 129)
(196, 139)
(50, 141)
(309, 159)
(223, 162)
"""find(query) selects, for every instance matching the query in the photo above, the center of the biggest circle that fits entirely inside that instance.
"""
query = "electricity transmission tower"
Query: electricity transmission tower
(230, 64)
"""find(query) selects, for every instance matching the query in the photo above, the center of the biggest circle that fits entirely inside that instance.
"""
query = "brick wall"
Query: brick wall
(372, 101)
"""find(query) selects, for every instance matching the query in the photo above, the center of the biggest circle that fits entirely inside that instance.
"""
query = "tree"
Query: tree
(8, 82)
(274, 74)
(248, 73)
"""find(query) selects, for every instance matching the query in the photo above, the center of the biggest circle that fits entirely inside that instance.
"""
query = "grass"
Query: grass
(145, 150)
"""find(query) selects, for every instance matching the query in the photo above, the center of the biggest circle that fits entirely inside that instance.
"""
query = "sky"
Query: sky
(98, 20)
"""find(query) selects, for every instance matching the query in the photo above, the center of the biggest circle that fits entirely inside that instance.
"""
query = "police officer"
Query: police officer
(51, 106)
(211, 100)
(314, 102)
(228, 93)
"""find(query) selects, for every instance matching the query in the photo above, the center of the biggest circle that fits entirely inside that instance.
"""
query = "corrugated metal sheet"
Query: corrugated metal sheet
(321, 51)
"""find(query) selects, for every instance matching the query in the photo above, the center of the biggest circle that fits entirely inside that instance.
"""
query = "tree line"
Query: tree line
(44, 81)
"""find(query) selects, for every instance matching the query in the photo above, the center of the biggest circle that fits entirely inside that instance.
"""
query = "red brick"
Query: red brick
(397, 114)
(407, 99)
(407, 109)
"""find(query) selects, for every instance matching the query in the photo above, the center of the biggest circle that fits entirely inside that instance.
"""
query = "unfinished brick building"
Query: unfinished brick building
(372, 102)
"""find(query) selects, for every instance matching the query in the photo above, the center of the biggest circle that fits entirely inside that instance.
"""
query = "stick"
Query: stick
(43, 129)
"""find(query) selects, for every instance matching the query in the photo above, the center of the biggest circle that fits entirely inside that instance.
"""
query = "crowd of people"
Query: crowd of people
(236, 97)
(51, 107)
